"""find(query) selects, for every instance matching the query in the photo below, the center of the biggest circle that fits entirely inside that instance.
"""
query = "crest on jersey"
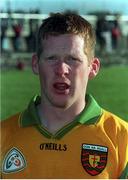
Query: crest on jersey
(14, 161)
(94, 158)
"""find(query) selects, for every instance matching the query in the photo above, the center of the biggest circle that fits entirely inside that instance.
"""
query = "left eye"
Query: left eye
(73, 60)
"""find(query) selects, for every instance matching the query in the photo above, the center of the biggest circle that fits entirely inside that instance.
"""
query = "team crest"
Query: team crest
(14, 161)
(94, 158)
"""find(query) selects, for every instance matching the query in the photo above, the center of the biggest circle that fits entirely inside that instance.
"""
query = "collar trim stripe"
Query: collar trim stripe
(89, 115)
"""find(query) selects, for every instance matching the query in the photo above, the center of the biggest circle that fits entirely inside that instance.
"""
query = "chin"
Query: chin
(62, 105)
(61, 101)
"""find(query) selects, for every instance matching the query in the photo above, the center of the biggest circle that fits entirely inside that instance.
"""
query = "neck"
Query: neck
(54, 118)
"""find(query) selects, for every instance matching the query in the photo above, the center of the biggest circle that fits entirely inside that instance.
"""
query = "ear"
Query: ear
(94, 68)
(35, 66)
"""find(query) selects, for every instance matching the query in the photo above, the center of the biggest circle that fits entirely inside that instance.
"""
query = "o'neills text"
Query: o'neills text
(53, 146)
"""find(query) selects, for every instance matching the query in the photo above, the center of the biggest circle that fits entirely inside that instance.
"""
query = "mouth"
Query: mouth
(61, 87)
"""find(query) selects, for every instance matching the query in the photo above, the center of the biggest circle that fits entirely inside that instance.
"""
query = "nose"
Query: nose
(61, 68)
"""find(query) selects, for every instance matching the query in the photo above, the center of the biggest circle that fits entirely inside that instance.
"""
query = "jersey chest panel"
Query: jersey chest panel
(62, 158)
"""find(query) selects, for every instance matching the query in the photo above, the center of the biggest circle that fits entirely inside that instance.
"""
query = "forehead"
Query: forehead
(63, 42)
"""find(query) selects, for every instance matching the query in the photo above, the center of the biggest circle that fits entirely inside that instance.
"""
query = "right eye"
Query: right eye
(51, 59)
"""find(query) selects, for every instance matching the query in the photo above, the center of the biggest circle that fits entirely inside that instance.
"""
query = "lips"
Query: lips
(61, 87)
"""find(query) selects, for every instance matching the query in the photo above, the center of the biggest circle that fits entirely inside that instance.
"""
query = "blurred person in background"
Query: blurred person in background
(100, 38)
(31, 39)
(103, 34)
(17, 29)
(106, 33)
(4, 28)
(124, 32)
(64, 133)
(116, 34)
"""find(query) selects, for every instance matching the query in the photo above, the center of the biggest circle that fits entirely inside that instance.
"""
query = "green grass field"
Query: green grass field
(110, 89)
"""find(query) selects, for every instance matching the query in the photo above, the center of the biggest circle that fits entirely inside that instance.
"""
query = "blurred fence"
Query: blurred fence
(18, 37)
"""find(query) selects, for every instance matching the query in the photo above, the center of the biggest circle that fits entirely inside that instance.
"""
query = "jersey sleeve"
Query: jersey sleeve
(123, 149)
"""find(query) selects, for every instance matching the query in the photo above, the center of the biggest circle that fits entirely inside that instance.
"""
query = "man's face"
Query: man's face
(63, 70)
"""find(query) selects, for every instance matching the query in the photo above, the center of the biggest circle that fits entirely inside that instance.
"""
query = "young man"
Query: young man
(64, 133)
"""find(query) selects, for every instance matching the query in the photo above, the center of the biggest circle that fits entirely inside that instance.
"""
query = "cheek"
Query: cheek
(83, 74)
(45, 76)
(82, 78)
(43, 70)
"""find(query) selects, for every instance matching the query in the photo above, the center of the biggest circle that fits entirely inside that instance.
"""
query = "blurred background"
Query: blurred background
(19, 24)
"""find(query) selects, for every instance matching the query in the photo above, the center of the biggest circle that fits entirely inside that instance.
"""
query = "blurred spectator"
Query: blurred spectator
(103, 32)
(124, 38)
(17, 28)
(100, 38)
(4, 27)
(20, 65)
(116, 33)
(31, 39)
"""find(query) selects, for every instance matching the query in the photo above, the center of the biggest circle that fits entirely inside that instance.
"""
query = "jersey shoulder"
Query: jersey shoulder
(10, 124)
(113, 126)
(109, 118)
